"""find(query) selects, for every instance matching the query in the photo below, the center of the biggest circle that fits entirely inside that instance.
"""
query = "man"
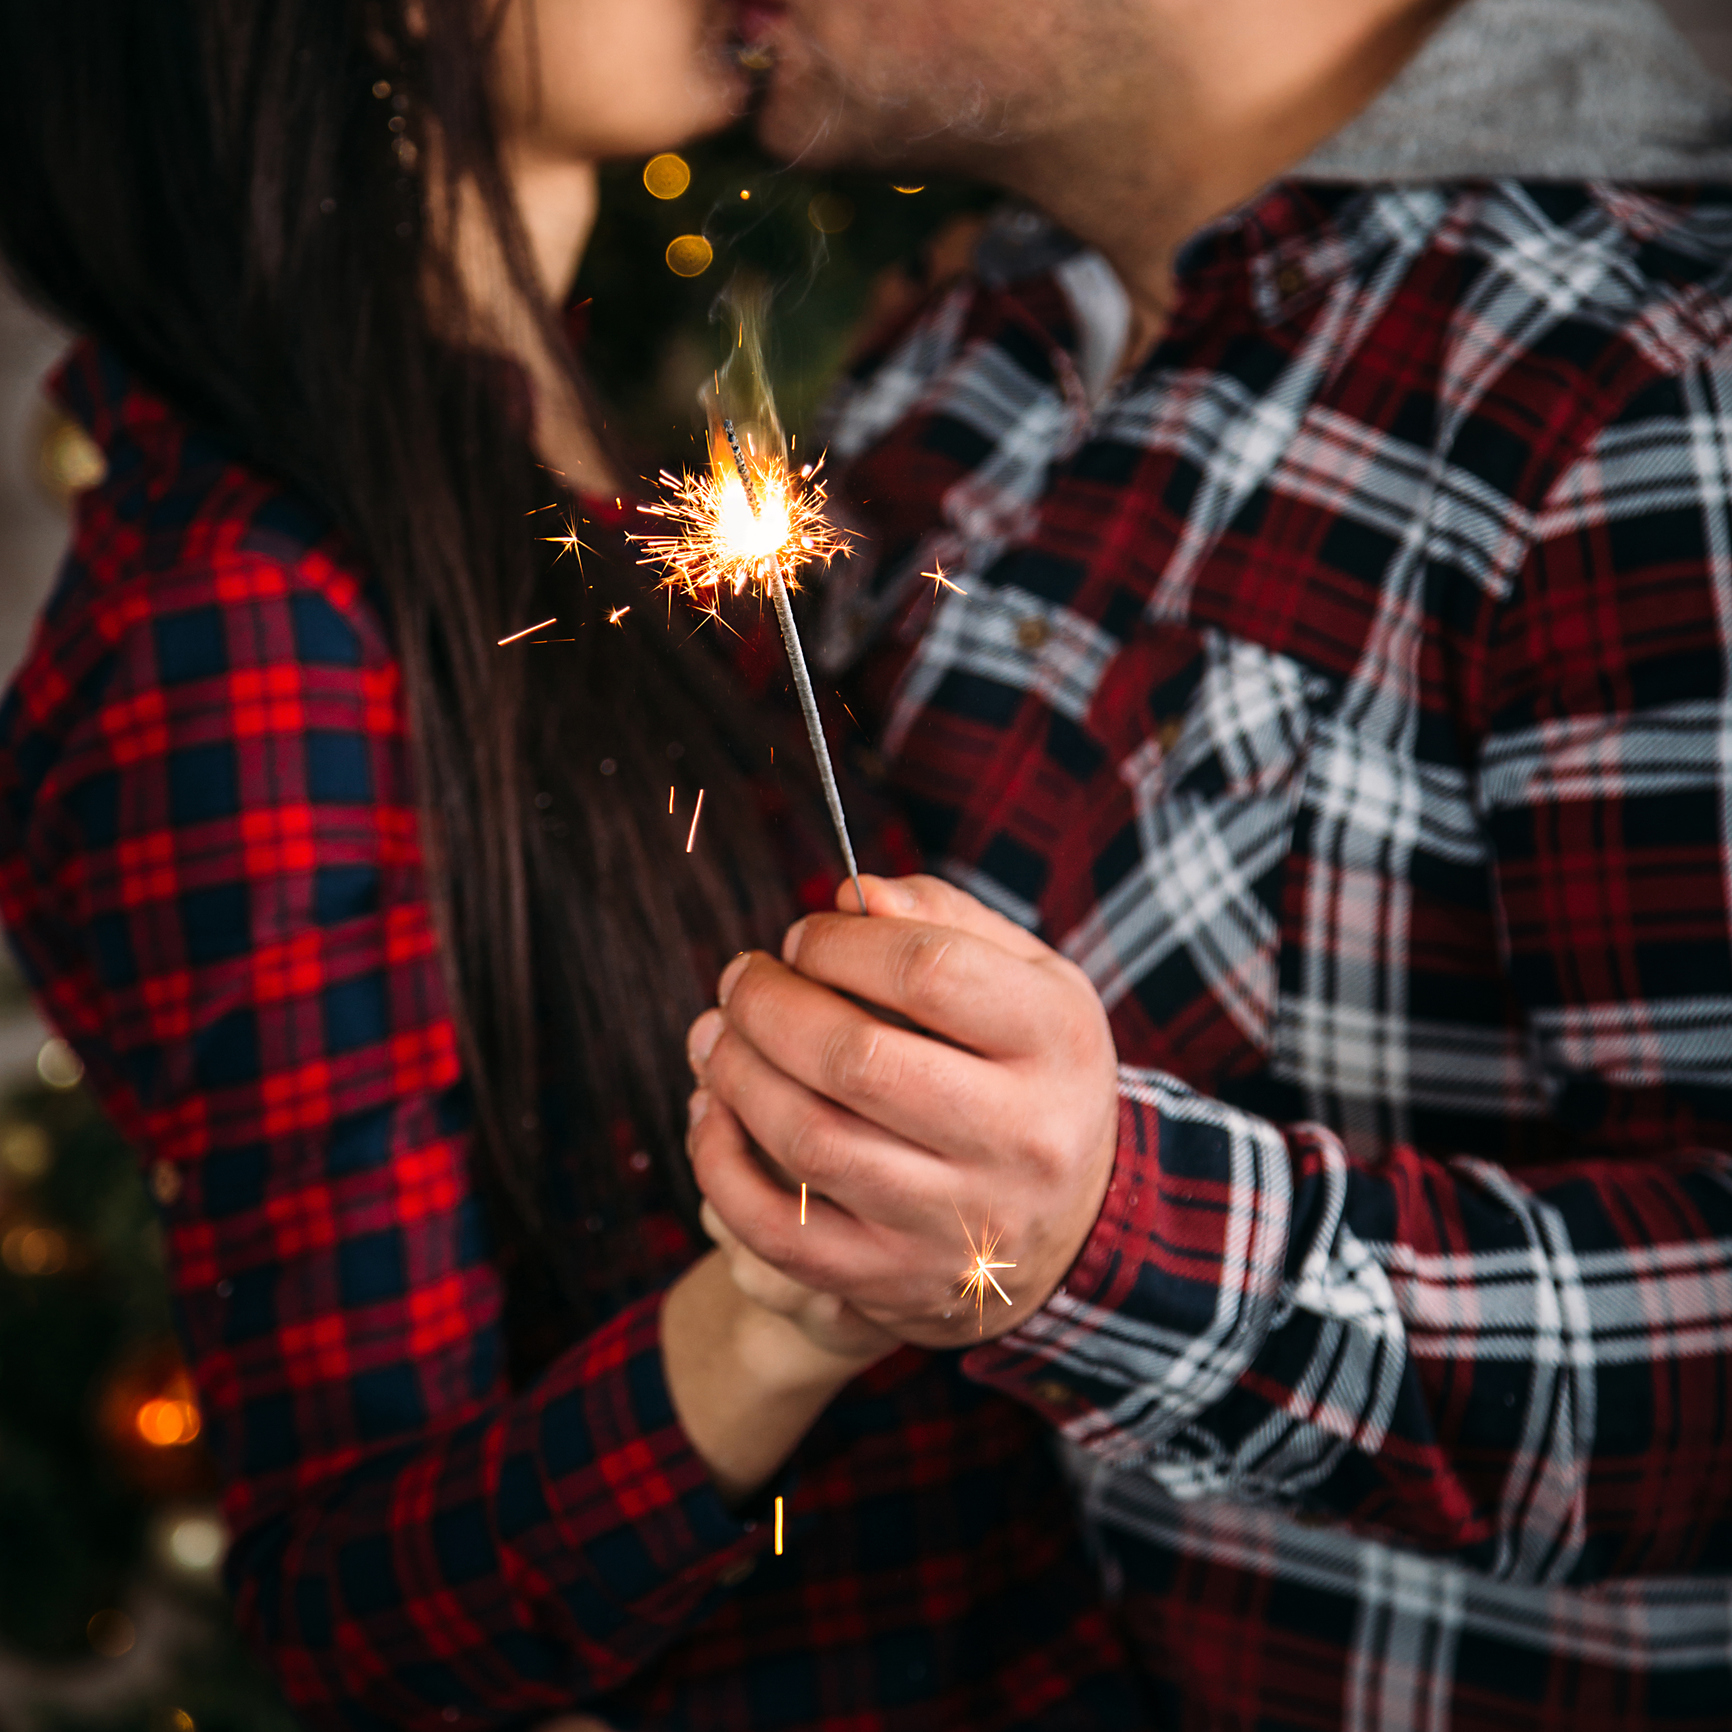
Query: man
(1321, 719)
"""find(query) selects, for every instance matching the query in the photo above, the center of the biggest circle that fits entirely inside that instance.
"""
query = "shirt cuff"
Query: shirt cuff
(1174, 1289)
(629, 1501)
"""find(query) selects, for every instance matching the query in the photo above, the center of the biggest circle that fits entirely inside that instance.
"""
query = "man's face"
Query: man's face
(927, 84)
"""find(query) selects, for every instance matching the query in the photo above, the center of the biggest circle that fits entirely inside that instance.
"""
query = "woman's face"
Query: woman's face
(586, 80)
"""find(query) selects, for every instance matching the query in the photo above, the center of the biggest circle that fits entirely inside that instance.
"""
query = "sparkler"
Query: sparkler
(750, 523)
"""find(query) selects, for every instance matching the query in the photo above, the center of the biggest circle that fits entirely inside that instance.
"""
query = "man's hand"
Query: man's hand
(1002, 1119)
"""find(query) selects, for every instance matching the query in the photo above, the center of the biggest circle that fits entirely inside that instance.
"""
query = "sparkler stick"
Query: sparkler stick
(749, 522)
(802, 679)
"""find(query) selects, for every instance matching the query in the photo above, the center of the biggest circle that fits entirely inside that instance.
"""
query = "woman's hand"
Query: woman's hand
(747, 1380)
(830, 1324)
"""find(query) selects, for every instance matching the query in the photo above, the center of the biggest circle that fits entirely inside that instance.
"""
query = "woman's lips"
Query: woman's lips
(759, 18)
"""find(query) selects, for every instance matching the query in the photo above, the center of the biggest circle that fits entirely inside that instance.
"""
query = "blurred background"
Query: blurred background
(111, 1616)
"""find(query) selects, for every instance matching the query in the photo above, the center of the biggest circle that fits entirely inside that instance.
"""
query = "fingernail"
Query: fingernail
(730, 975)
(903, 897)
(706, 1031)
(791, 943)
(697, 1106)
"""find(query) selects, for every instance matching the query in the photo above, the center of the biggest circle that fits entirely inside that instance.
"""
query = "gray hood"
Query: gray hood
(1543, 90)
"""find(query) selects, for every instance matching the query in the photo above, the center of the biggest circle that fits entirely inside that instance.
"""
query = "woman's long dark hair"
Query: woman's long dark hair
(241, 197)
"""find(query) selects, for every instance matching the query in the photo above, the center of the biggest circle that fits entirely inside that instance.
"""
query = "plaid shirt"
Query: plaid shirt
(210, 866)
(1347, 690)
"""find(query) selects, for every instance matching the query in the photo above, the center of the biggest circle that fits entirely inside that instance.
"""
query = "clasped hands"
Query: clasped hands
(986, 1099)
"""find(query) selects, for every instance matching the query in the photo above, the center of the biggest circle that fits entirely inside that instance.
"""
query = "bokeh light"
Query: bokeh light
(168, 1421)
(25, 1152)
(28, 1250)
(195, 1542)
(111, 1633)
(690, 256)
(59, 1066)
(829, 213)
(667, 176)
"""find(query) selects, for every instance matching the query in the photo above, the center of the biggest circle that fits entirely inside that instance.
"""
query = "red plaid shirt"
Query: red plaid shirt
(210, 866)
(1348, 689)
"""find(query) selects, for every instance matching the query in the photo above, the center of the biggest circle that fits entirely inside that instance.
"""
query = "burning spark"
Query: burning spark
(778, 1527)
(802, 1203)
(938, 578)
(692, 834)
(722, 542)
(976, 1277)
(527, 630)
(570, 542)
(617, 615)
(749, 524)
(670, 802)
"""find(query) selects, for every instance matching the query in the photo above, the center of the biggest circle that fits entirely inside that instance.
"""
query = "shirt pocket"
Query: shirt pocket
(1180, 924)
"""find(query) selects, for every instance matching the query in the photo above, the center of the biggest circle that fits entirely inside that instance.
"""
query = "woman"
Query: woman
(377, 940)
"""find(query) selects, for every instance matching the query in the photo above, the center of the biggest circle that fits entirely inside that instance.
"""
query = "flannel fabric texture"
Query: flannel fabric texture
(211, 869)
(1346, 689)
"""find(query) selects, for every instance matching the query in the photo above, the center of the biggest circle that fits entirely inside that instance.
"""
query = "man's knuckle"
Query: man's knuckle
(923, 971)
(854, 1060)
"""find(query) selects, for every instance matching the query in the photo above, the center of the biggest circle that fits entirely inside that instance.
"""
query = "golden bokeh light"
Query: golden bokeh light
(25, 1152)
(34, 1251)
(111, 1633)
(667, 176)
(690, 256)
(829, 213)
(910, 191)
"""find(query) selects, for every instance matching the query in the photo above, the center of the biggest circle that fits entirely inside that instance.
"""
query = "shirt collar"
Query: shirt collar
(1579, 90)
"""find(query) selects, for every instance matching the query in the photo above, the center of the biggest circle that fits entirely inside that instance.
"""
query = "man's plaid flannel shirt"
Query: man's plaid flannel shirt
(1349, 690)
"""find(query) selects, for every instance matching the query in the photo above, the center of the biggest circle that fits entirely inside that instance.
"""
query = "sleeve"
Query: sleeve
(1529, 1370)
(245, 958)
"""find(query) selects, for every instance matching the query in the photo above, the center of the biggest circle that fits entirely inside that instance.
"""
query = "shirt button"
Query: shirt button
(1290, 279)
(1033, 632)
(1052, 1392)
(734, 1574)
